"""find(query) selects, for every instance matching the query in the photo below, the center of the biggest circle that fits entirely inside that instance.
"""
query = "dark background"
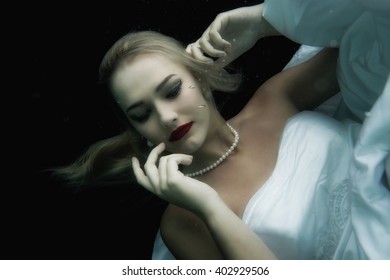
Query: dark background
(60, 110)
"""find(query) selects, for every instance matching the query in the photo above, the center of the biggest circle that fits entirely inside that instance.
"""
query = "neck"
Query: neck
(219, 140)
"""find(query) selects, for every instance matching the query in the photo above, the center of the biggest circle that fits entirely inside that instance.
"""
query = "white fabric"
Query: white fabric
(160, 250)
(300, 211)
(360, 28)
(329, 195)
(303, 211)
(367, 235)
(303, 54)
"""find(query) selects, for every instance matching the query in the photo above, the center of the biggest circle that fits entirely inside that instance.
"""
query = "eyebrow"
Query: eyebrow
(167, 78)
(158, 88)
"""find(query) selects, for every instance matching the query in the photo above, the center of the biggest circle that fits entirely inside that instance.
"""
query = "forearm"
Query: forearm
(234, 238)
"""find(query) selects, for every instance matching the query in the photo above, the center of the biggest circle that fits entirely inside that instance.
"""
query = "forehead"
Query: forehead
(143, 74)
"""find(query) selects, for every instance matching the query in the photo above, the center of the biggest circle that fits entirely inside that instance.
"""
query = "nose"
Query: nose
(167, 114)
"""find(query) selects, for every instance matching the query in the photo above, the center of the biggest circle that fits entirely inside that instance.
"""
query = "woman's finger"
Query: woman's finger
(162, 168)
(150, 167)
(217, 40)
(218, 26)
(174, 161)
(198, 54)
(189, 48)
(172, 164)
(211, 48)
(142, 179)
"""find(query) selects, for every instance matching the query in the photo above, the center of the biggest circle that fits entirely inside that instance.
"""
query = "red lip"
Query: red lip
(179, 132)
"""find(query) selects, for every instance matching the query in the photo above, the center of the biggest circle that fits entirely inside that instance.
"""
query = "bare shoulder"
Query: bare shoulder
(186, 235)
(265, 113)
(267, 106)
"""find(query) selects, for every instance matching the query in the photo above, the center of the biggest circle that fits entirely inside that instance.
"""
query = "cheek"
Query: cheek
(147, 130)
(192, 100)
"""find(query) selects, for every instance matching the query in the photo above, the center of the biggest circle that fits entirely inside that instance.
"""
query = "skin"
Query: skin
(203, 219)
(176, 103)
(231, 34)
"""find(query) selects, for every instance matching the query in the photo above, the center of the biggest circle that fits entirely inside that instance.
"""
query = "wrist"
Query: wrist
(265, 29)
(212, 207)
(217, 213)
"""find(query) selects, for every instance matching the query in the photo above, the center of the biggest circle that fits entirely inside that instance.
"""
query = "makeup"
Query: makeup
(180, 132)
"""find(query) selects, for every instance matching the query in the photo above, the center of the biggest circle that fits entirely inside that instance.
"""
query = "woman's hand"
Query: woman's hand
(235, 239)
(166, 181)
(231, 34)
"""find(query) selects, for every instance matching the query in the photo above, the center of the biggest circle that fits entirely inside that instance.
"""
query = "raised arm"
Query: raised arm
(231, 34)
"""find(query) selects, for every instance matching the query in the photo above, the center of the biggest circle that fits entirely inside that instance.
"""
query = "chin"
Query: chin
(184, 147)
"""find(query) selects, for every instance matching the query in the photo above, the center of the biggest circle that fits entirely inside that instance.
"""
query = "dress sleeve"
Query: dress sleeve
(359, 28)
(368, 236)
(312, 22)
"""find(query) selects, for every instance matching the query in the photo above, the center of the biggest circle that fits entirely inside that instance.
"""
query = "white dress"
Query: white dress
(302, 208)
(361, 30)
(329, 195)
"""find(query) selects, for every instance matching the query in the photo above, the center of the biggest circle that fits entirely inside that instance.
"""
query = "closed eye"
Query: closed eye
(141, 117)
(174, 91)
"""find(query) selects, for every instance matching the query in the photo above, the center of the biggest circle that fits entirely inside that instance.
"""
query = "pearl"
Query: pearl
(222, 158)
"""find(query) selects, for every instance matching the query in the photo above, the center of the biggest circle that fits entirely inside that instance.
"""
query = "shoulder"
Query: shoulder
(186, 235)
(267, 110)
(268, 102)
(296, 88)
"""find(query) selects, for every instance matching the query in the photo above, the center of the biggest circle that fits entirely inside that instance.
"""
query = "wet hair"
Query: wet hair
(131, 45)
(110, 159)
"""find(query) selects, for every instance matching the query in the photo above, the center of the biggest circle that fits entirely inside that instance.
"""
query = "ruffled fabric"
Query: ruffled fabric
(367, 235)
(301, 211)
(360, 28)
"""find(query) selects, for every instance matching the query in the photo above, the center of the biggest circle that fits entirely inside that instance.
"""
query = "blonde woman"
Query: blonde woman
(255, 186)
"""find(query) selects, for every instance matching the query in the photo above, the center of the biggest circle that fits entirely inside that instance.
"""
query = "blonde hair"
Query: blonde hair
(110, 159)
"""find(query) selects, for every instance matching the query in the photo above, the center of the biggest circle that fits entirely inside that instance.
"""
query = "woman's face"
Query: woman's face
(163, 102)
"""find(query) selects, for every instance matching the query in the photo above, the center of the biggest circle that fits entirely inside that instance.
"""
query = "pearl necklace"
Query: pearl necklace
(222, 158)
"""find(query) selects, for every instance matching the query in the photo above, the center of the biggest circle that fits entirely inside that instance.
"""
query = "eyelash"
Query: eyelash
(173, 93)
(142, 117)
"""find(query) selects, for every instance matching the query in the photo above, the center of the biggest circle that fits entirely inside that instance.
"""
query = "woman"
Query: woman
(361, 31)
(213, 172)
